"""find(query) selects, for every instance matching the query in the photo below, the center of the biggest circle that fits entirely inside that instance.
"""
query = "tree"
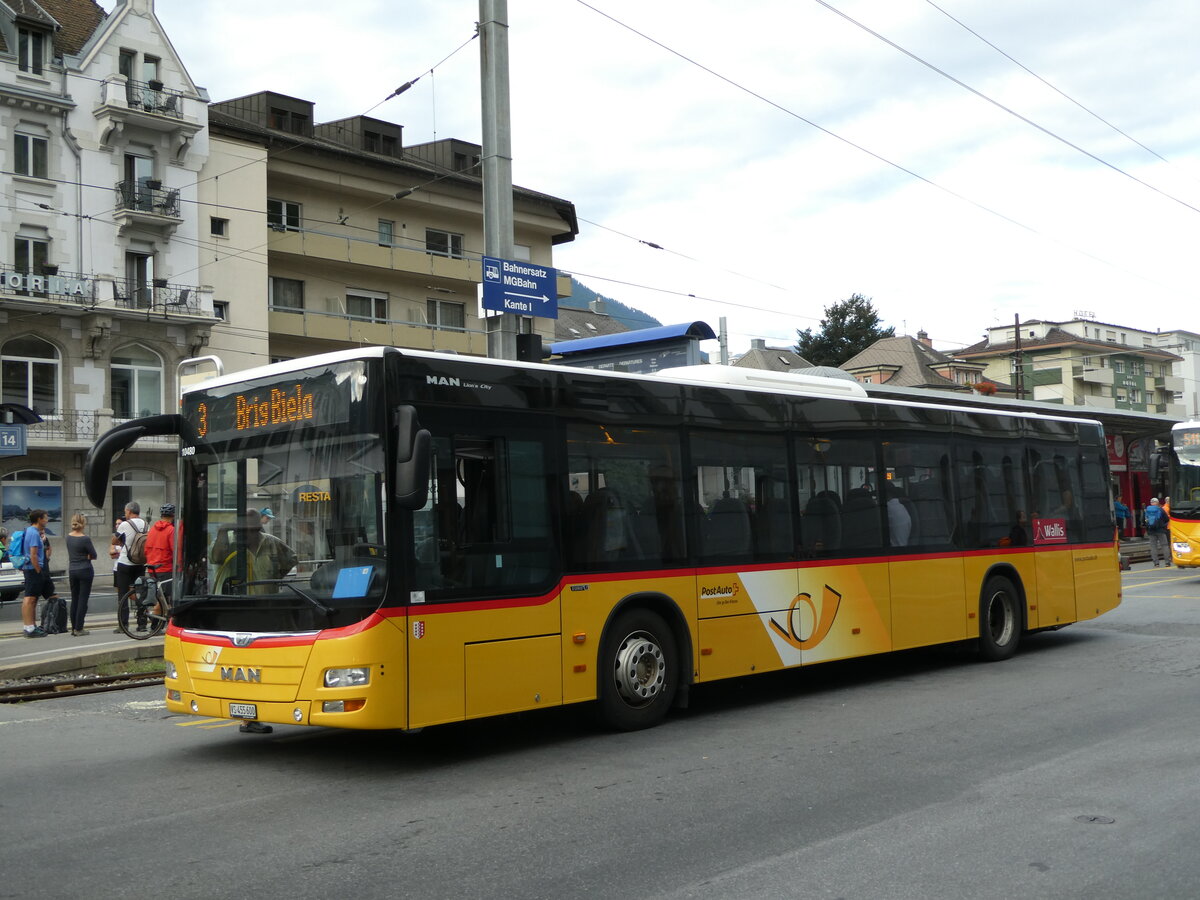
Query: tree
(849, 327)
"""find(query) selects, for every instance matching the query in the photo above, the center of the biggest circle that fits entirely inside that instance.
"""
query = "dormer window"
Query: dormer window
(374, 142)
(31, 52)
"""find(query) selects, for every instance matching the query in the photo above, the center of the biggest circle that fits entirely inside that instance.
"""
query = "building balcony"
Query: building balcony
(146, 204)
(157, 297)
(344, 330)
(68, 429)
(90, 293)
(410, 257)
(1170, 383)
(146, 106)
(1092, 374)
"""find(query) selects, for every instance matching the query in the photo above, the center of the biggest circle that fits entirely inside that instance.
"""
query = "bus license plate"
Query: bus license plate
(1181, 547)
(243, 710)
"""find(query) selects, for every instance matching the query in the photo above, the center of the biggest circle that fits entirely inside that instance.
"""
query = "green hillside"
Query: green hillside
(582, 296)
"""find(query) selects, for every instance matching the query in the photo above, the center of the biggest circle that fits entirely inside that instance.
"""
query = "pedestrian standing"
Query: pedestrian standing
(1156, 532)
(38, 582)
(1121, 511)
(127, 573)
(80, 572)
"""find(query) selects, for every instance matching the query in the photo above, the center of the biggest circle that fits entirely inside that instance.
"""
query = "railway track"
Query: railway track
(51, 688)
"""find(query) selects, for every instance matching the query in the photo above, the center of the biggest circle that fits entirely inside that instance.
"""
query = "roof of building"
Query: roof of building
(774, 359)
(223, 121)
(1057, 338)
(910, 361)
(575, 324)
(700, 330)
(78, 19)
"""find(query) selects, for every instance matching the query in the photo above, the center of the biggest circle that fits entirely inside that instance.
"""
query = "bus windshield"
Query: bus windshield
(283, 528)
(1185, 489)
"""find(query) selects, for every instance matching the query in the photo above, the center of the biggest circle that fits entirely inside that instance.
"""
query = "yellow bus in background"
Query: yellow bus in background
(1183, 487)
(469, 537)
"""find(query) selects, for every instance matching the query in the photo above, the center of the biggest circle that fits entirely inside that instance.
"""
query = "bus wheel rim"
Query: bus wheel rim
(1001, 622)
(640, 669)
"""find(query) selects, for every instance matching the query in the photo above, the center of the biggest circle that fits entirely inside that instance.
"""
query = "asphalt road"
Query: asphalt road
(1068, 771)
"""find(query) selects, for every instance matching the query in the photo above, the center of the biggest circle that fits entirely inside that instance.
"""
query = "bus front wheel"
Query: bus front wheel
(640, 666)
(999, 619)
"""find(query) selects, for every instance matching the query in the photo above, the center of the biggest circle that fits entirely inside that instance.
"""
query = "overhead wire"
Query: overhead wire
(1052, 87)
(996, 103)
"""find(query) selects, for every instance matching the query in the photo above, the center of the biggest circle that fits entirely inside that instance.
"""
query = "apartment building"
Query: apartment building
(360, 239)
(1085, 363)
(100, 297)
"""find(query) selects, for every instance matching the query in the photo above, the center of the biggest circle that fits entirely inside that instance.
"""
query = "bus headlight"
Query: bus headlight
(169, 669)
(347, 677)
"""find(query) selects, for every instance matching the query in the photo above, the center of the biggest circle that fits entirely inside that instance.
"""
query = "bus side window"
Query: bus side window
(632, 504)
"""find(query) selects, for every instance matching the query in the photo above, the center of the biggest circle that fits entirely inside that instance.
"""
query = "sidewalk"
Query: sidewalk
(22, 657)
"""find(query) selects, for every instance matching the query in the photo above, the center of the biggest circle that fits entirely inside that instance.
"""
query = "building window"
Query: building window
(146, 487)
(1119, 366)
(374, 142)
(28, 489)
(136, 383)
(1135, 396)
(444, 314)
(30, 254)
(387, 232)
(139, 280)
(286, 293)
(443, 243)
(368, 305)
(283, 215)
(31, 50)
(221, 310)
(218, 227)
(288, 120)
(30, 155)
(29, 372)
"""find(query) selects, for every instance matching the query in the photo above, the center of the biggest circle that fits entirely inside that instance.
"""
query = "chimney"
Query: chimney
(597, 306)
(924, 339)
(758, 343)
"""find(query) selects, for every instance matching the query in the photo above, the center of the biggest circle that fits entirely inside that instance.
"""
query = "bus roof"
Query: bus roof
(734, 377)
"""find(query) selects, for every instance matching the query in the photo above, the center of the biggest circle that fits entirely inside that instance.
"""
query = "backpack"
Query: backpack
(54, 616)
(16, 550)
(137, 550)
(1156, 519)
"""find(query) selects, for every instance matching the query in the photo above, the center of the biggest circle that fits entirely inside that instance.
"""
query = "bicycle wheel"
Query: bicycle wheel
(133, 615)
(156, 622)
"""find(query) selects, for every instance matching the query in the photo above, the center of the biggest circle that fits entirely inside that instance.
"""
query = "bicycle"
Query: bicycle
(146, 606)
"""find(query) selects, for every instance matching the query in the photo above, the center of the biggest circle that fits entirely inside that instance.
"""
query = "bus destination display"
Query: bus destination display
(268, 408)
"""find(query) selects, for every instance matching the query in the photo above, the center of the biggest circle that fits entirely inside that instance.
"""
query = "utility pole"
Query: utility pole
(497, 157)
(1018, 361)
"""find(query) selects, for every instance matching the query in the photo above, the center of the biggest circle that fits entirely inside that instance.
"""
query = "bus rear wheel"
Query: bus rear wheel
(640, 666)
(999, 619)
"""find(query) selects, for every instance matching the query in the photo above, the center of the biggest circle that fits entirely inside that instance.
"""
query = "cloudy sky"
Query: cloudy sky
(789, 153)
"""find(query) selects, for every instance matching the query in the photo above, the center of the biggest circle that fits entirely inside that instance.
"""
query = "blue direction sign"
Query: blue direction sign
(12, 440)
(512, 286)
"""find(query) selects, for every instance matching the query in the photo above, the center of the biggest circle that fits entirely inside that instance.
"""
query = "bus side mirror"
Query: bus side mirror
(114, 441)
(1156, 466)
(411, 482)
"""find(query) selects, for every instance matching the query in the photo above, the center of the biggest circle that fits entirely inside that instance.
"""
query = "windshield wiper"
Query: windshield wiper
(291, 584)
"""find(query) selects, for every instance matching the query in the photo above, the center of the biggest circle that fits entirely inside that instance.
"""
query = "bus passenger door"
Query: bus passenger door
(483, 631)
(1055, 588)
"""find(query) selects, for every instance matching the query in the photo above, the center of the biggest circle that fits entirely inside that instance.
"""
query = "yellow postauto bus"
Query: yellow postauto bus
(1183, 487)
(457, 537)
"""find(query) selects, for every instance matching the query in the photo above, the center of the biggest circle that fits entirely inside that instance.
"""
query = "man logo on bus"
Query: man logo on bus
(823, 620)
(418, 630)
